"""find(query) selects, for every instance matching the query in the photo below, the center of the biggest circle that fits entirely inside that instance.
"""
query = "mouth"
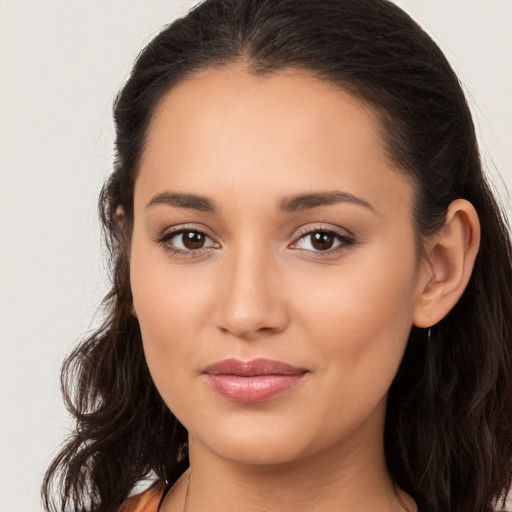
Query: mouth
(252, 381)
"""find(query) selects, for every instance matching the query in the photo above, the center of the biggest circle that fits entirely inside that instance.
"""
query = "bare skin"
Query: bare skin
(269, 223)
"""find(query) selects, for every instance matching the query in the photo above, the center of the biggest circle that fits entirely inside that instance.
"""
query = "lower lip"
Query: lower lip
(253, 389)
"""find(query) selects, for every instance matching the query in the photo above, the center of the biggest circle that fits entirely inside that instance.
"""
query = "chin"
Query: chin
(259, 452)
(253, 446)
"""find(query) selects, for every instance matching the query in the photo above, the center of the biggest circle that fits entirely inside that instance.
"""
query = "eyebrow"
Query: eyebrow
(316, 199)
(190, 201)
(287, 205)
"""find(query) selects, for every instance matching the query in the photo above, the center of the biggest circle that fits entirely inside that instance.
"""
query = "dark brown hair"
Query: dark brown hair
(448, 435)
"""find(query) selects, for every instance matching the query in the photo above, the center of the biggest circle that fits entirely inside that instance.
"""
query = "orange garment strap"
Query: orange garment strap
(146, 501)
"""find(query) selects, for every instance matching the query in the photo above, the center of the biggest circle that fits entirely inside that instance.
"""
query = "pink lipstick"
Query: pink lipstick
(252, 381)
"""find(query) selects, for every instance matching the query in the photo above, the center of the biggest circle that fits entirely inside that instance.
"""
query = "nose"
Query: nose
(251, 301)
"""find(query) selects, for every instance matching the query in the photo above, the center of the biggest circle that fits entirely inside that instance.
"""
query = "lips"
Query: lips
(252, 381)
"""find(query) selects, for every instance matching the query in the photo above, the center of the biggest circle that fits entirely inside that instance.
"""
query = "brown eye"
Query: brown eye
(186, 241)
(322, 241)
(193, 239)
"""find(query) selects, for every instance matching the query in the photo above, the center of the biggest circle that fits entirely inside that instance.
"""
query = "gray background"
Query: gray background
(61, 63)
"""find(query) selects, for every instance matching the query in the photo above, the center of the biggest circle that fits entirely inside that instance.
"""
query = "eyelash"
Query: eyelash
(169, 235)
(345, 241)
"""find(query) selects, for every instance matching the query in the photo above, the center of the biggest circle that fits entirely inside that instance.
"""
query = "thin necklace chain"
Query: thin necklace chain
(186, 492)
(400, 500)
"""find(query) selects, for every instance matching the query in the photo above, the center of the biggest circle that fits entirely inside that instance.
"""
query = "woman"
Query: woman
(312, 293)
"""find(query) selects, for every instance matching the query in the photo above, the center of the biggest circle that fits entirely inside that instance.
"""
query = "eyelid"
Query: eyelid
(169, 233)
(313, 228)
(179, 228)
(344, 236)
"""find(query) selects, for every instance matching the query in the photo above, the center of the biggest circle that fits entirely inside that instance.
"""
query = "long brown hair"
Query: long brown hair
(448, 435)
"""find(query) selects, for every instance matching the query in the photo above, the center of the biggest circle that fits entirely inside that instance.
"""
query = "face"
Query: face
(273, 265)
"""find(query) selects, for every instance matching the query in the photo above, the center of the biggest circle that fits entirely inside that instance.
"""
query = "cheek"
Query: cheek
(168, 298)
(359, 317)
(175, 305)
(166, 313)
(168, 306)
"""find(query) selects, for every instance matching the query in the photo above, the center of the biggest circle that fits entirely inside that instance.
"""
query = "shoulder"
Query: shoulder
(147, 501)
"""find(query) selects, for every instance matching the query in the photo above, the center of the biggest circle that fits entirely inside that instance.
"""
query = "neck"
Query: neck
(355, 479)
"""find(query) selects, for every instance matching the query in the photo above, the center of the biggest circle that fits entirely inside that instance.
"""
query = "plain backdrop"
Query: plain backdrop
(61, 63)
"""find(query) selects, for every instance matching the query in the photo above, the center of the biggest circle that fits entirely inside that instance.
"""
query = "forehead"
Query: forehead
(274, 134)
(217, 105)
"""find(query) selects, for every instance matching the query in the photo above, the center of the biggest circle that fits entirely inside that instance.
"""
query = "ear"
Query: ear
(120, 217)
(448, 264)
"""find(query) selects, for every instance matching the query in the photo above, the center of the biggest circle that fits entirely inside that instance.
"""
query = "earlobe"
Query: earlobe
(449, 261)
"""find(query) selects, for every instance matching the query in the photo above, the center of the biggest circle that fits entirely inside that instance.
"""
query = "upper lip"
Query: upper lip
(252, 368)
